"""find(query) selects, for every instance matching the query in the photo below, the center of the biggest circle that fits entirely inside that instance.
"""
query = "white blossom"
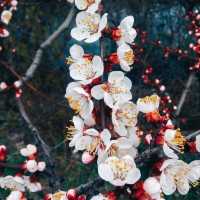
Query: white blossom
(116, 90)
(119, 171)
(148, 104)
(153, 188)
(128, 33)
(124, 115)
(6, 16)
(126, 56)
(176, 174)
(80, 101)
(83, 69)
(89, 26)
(29, 150)
(90, 5)
(173, 140)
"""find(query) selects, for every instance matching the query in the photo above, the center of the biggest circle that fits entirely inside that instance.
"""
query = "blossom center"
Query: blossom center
(119, 167)
(74, 104)
(129, 57)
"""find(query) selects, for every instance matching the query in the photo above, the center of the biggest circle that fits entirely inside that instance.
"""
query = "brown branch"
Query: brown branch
(42, 145)
(185, 93)
(39, 53)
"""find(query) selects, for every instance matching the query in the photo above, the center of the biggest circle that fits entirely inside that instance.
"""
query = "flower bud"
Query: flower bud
(87, 157)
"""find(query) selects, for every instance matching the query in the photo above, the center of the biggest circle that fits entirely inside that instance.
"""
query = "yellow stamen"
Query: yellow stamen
(129, 57)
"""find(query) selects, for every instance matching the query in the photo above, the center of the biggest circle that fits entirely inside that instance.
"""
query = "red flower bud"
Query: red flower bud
(113, 58)
(153, 117)
(71, 194)
(116, 34)
(81, 197)
(3, 153)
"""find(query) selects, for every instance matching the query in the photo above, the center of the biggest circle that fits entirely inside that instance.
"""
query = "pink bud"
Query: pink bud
(3, 86)
(148, 138)
(87, 157)
(71, 194)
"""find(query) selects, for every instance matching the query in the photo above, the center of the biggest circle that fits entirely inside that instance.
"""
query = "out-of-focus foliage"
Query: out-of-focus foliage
(34, 21)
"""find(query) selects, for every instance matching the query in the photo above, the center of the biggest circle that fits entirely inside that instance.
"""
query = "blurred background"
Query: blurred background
(44, 99)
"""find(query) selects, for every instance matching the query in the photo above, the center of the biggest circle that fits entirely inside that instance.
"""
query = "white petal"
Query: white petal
(124, 143)
(127, 22)
(183, 186)
(75, 73)
(81, 4)
(97, 92)
(91, 132)
(93, 38)
(133, 176)
(98, 65)
(169, 152)
(125, 66)
(105, 136)
(93, 8)
(78, 123)
(108, 99)
(194, 174)
(82, 143)
(115, 76)
(79, 33)
(198, 143)
(167, 184)
(132, 136)
(130, 35)
(105, 172)
(103, 22)
(121, 129)
(76, 52)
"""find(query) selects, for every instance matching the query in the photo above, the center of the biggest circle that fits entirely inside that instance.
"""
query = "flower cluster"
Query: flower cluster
(6, 15)
(25, 178)
(107, 123)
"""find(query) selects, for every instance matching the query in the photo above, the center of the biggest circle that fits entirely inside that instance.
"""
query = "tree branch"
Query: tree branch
(54, 181)
(185, 93)
(39, 53)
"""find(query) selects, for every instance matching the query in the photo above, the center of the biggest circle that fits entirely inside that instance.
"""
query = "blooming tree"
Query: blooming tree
(109, 128)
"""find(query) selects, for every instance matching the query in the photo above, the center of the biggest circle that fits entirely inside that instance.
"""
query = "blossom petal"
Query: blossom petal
(133, 176)
(167, 184)
(81, 4)
(91, 132)
(105, 136)
(93, 38)
(97, 92)
(183, 186)
(127, 22)
(169, 152)
(108, 99)
(115, 76)
(105, 172)
(103, 22)
(98, 66)
(78, 123)
(79, 33)
(198, 143)
(76, 52)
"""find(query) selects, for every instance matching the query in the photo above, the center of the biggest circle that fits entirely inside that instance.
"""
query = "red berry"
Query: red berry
(71, 194)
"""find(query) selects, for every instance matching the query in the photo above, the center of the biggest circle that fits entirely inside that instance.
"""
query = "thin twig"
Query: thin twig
(41, 143)
(185, 93)
(39, 53)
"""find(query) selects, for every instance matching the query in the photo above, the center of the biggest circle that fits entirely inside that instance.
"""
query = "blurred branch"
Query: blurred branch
(185, 93)
(41, 143)
(39, 53)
